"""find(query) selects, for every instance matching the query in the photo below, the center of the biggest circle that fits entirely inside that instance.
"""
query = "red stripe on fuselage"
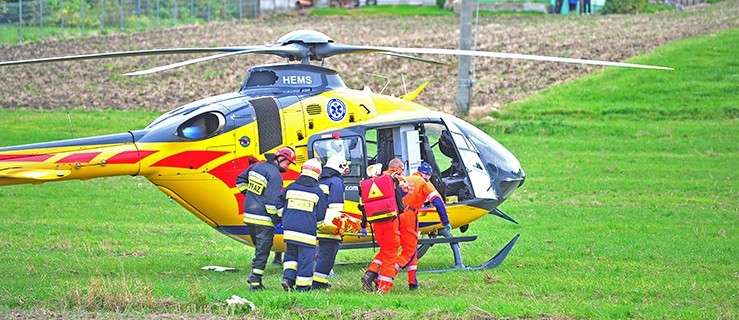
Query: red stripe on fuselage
(25, 157)
(228, 171)
(79, 157)
(189, 159)
(129, 157)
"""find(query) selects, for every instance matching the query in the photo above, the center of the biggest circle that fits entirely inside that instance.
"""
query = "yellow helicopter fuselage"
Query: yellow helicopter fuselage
(195, 152)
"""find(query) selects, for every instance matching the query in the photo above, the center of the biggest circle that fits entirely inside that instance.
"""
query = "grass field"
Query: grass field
(629, 211)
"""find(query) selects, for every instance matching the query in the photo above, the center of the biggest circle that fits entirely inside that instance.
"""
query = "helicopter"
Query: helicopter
(205, 144)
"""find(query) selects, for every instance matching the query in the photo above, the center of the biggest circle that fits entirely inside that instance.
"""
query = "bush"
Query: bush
(625, 6)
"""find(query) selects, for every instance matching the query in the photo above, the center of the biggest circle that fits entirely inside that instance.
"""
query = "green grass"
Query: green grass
(629, 211)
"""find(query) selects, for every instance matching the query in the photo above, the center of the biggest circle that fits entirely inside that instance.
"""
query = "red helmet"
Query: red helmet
(286, 152)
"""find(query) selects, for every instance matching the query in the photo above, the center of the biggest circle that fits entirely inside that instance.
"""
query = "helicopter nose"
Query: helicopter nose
(508, 186)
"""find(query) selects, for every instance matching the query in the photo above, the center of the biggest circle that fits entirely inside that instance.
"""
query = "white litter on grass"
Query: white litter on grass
(218, 268)
(236, 302)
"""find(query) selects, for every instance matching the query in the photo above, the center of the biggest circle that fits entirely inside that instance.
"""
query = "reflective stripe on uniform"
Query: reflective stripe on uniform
(301, 200)
(432, 195)
(241, 186)
(287, 265)
(324, 187)
(299, 237)
(257, 271)
(409, 268)
(336, 206)
(270, 209)
(320, 277)
(303, 281)
(257, 219)
(384, 278)
(377, 261)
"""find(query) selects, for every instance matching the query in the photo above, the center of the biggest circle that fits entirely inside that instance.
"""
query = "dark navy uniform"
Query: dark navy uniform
(303, 204)
(328, 244)
(261, 184)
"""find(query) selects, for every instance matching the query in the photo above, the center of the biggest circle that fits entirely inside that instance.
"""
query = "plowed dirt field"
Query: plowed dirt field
(99, 85)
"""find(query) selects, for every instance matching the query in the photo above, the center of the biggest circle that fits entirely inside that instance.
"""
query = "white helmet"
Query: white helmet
(311, 168)
(374, 170)
(338, 163)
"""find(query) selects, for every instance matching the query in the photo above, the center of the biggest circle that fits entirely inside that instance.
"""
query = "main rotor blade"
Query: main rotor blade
(331, 49)
(517, 56)
(404, 56)
(290, 50)
(127, 54)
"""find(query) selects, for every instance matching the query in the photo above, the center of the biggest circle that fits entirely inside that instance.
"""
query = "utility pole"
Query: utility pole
(464, 94)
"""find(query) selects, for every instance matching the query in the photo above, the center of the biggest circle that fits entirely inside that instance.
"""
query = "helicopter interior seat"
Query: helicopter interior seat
(428, 155)
(385, 148)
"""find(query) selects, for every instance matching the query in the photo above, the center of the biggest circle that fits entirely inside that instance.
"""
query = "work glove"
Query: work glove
(363, 232)
(448, 227)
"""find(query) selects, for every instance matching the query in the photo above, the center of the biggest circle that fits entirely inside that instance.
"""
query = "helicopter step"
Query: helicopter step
(421, 242)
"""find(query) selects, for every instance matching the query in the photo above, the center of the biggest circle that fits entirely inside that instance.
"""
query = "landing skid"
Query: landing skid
(459, 265)
(427, 243)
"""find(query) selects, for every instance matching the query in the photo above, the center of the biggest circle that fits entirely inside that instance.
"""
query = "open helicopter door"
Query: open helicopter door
(479, 177)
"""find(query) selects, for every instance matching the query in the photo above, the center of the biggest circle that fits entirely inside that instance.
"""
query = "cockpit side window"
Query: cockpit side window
(350, 147)
(202, 126)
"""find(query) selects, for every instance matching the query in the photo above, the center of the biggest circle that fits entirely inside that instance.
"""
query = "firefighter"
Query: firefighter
(302, 204)
(261, 185)
(332, 185)
(420, 191)
(381, 203)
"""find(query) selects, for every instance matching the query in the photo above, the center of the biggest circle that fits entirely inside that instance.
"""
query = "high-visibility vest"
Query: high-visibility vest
(378, 197)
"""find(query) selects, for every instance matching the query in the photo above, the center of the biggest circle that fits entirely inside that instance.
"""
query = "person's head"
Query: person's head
(311, 168)
(425, 170)
(285, 156)
(396, 165)
(338, 163)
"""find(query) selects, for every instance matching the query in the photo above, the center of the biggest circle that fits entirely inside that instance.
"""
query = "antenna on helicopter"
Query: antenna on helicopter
(69, 118)
(381, 76)
(402, 78)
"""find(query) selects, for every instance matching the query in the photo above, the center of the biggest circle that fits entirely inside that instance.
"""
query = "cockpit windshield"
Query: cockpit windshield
(492, 153)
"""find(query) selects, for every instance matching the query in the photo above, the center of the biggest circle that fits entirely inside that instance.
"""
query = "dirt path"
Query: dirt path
(99, 85)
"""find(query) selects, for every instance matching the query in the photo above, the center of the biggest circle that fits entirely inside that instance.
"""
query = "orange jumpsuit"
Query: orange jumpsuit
(420, 191)
(387, 235)
(388, 238)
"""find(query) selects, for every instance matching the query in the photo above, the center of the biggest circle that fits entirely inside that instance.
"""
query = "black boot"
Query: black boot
(413, 286)
(277, 260)
(288, 285)
(368, 280)
(256, 287)
(321, 286)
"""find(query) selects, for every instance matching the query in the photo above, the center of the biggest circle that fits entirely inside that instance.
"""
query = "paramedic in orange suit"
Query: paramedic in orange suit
(382, 268)
(420, 191)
